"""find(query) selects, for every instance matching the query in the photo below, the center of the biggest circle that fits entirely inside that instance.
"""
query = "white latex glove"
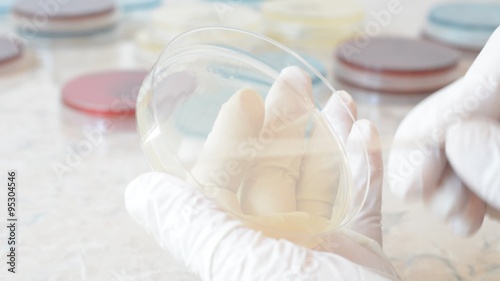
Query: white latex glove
(217, 246)
(447, 150)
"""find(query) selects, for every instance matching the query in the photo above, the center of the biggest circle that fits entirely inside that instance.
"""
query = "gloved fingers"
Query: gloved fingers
(341, 113)
(481, 95)
(217, 247)
(272, 178)
(416, 160)
(473, 149)
(222, 165)
(470, 218)
(450, 197)
(320, 171)
(367, 174)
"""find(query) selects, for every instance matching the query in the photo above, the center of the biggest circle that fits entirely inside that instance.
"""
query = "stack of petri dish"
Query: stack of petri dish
(316, 25)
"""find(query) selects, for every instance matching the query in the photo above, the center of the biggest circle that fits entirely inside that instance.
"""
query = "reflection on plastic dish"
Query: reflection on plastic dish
(287, 174)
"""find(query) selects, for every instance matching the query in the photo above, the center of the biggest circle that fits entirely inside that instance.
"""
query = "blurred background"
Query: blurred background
(70, 71)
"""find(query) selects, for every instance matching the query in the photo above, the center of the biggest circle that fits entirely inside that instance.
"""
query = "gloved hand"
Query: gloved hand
(215, 245)
(447, 149)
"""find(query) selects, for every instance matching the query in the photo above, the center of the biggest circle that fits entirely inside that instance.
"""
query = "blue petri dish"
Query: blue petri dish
(138, 5)
(5, 6)
(463, 25)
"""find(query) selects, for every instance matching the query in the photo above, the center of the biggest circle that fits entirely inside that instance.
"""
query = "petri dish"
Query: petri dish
(312, 25)
(466, 25)
(170, 20)
(73, 19)
(5, 6)
(102, 98)
(396, 65)
(200, 117)
(138, 5)
(11, 53)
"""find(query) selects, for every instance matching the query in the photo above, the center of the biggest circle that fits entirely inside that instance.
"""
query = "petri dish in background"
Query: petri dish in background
(5, 6)
(201, 72)
(464, 26)
(396, 65)
(131, 6)
(170, 20)
(77, 18)
(15, 57)
(389, 76)
(11, 53)
(313, 25)
(105, 99)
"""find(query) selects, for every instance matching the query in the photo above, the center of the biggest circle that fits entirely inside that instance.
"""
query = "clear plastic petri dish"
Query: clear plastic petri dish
(222, 115)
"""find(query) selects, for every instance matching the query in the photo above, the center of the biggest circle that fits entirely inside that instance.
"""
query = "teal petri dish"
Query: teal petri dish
(5, 6)
(465, 25)
(138, 5)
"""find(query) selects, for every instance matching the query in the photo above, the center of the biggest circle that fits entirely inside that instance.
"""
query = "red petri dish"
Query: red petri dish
(76, 17)
(106, 94)
(396, 65)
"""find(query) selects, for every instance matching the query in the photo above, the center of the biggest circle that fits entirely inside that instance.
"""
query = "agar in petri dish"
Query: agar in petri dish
(396, 65)
(109, 94)
(75, 18)
(171, 20)
(313, 24)
(138, 5)
(463, 25)
(5, 6)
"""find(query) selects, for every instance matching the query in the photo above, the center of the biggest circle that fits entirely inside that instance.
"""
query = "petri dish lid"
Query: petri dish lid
(184, 75)
(465, 25)
(391, 64)
(112, 93)
(314, 12)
